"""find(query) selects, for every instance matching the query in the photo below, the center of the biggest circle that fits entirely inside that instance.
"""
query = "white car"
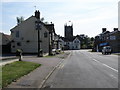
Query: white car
(106, 50)
(53, 51)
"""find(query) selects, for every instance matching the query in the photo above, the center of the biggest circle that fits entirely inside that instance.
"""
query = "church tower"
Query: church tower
(68, 30)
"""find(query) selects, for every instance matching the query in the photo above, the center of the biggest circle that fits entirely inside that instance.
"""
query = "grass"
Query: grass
(13, 71)
(117, 54)
(48, 56)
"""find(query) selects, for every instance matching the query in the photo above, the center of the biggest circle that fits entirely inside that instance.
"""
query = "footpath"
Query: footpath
(36, 78)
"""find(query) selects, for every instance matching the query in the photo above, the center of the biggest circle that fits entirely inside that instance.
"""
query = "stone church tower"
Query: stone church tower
(68, 30)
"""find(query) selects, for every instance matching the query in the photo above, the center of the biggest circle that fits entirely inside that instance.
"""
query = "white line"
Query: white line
(96, 60)
(106, 65)
(110, 67)
(62, 66)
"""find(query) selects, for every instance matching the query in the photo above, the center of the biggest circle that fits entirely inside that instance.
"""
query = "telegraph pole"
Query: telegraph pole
(38, 27)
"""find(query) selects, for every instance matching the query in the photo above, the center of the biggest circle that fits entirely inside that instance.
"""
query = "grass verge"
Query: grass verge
(11, 72)
(48, 56)
(117, 54)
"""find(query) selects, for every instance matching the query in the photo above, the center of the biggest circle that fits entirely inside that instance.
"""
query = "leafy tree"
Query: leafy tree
(43, 20)
(20, 19)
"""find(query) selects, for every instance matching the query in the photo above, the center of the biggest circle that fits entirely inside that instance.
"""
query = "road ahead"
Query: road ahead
(83, 69)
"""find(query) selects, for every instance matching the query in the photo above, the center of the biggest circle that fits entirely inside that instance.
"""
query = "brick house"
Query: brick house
(107, 38)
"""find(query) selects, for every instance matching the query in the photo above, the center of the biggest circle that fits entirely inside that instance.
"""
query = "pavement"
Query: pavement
(36, 78)
(83, 69)
(4, 62)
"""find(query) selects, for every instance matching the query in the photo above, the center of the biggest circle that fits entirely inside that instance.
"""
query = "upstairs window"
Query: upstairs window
(45, 34)
(17, 34)
(18, 44)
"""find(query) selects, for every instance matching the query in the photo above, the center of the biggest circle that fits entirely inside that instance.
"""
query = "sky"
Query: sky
(88, 16)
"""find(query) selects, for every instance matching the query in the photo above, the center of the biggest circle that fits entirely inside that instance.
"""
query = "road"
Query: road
(83, 69)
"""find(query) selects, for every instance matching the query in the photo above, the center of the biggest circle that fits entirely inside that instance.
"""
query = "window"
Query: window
(19, 44)
(76, 47)
(17, 34)
(112, 37)
(45, 34)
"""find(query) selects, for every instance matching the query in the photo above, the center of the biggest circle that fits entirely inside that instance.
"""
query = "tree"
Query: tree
(43, 20)
(20, 19)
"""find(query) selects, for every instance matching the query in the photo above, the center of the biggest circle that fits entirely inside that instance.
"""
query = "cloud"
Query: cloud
(85, 14)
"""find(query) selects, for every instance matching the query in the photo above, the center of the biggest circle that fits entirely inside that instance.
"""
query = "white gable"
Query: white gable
(76, 40)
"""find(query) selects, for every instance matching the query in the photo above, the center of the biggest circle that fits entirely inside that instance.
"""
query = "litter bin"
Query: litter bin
(19, 54)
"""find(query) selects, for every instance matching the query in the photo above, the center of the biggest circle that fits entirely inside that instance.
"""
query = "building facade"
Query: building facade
(107, 38)
(5, 43)
(25, 36)
(70, 42)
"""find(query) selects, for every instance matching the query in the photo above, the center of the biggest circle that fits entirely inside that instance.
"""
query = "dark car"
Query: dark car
(106, 50)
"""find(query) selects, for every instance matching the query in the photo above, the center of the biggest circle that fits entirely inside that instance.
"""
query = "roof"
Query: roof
(71, 39)
(5, 38)
(22, 22)
(50, 27)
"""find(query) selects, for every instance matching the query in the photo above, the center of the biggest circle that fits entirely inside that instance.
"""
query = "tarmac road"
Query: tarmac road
(83, 69)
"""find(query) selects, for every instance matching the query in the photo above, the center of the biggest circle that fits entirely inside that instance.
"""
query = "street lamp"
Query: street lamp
(38, 27)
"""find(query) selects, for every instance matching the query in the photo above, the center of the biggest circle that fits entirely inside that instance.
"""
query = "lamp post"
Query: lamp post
(38, 27)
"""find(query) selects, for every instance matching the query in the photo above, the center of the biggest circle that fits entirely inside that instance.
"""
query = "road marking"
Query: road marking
(110, 67)
(106, 65)
(61, 66)
(96, 60)
(45, 79)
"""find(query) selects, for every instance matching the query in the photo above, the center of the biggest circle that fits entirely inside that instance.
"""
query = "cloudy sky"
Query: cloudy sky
(88, 16)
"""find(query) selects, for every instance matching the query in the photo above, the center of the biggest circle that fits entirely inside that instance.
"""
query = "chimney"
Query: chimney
(103, 30)
(37, 14)
(115, 29)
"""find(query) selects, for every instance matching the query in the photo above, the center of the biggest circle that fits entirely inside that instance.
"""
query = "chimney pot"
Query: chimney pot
(103, 29)
(115, 29)
(37, 14)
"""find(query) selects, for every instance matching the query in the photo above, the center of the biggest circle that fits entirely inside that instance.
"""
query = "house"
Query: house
(107, 38)
(71, 44)
(61, 43)
(26, 34)
(5, 43)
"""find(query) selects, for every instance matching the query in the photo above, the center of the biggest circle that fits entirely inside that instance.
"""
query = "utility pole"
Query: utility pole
(38, 27)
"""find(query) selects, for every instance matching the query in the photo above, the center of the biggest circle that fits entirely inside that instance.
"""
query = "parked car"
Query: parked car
(106, 50)
(53, 51)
